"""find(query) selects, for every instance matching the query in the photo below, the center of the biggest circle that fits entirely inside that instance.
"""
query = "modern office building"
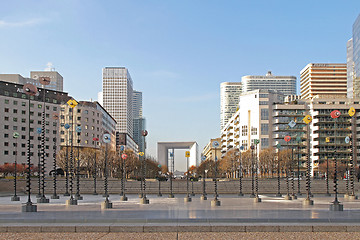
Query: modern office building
(323, 80)
(14, 117)
(139, 120)
(229, 100)
(356, 50)
(118, 102)
(252, 121)
(283, 84)
(56, 83)
(350, 71)
(94, 121)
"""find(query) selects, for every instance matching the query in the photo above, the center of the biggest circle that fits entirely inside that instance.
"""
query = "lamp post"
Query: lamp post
(287, 197)
(95, 139)
(159, 193)
(67, 126)
(106, 204)
(252, 195)
(298, 140)
(123, 179)
(335, 206)
(307, 201)
(144, 200)
(54, 196)
(278, 146)
(77, 195)
(187, 197)
(353, 153)
(257, 198)
(171, 195)
(240, 172)
(29, 90)
(204, 195)
(38, 130)
(15, 197)
(215, 201)
(72, 103)
(44, 81)
(327, 140)
(292, 124)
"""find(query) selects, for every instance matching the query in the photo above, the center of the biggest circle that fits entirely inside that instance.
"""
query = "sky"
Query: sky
(177, 52)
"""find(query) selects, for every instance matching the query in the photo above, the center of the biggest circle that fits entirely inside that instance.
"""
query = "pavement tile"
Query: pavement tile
(227, 228)
(92, 229)
(126, 229)
(262, 229)
(295, 228)
(329, 228)
(58, 229)
(27, 229)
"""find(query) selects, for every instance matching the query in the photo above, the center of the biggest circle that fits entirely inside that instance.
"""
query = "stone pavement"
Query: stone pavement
(164, 215)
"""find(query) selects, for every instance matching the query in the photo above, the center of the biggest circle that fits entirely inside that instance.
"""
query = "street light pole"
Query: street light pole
(15, 197)
(144, 200)
(29, 90)
(240, 172)
(171, 195)
(95, 139)
(106, 204)
(307, 119)
(187, 197)
(123, 174)
(278, 146)
(204, 195)
(215, 201)
(54, 196)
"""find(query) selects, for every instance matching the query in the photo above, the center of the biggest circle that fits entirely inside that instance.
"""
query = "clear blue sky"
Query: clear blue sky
(178, 52)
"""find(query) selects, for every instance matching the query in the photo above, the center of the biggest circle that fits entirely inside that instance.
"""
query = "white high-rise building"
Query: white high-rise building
(139, 121)
(283, 84)
(137, 104)
(118, 97)
(229, 100)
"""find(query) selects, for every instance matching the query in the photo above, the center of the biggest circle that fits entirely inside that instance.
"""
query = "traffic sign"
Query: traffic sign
(72, 103)
(215, 144)
(352, 111)
(78, 129)
(123, 156)
(335, 114)
(106, 138)
(67, 126)
(122, 148)
(347, 139)
(307, 119)
(287, 138)
(141, 153)
(187, 154)
(292, 123)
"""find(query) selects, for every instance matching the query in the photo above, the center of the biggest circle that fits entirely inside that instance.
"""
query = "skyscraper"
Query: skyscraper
(323, 80)
(118, 97)
(229, 101)
(139, 121)
(353, 61)
(283, 84)
(350, 68)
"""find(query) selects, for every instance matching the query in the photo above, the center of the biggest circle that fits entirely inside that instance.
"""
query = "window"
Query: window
(244, 130)
(263, 103)
(79, 111)
(23, 120)
(264, 129)
(54, 109)
(15, 102)
(23, 129)
(6, 135)
(6, 110)
(6, 144)
(6, 118)
(264, 114)
(264, 143)
(86, 111)
(14, 94)
(6, 152)
(6, 93)
(23, 104)
(253, 131)
(15, 119)
(6, 126)
(15, 128)
(23, 112)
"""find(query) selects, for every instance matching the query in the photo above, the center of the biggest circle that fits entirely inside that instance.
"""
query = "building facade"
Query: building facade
(350, 70)
(229, 100)
(94, 122)
(139, 121)
(252, 121)
(210, 152)
(283, 84)
(14, 117)
(323, 80)
(56, 80)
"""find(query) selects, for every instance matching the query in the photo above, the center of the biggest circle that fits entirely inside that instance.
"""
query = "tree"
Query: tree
(227, 165)
(267, 162)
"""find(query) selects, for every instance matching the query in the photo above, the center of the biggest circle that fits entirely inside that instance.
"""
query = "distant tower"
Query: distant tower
(139, 121)
(118, 97)
(229, 100)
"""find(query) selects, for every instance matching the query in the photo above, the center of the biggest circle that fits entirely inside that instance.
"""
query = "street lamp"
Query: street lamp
(353, 152)
(95, 139)
(287, 197)
(106, 204)
(144, 200)
(38, 130)
(240, 172)
(44, 81)
(72, 103)
(278, 146)
(307, 119)
(298, 140)
(123, 174)
(187, 197)
(54, 196)
(67, 126)
(204, 195)
(29, 90)
(171, 195)
(327, 140)
(77, 195)
(257, 198)
(15, 197)
(292, 124)
(215, 201)
(159, 193)
(335, 206)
